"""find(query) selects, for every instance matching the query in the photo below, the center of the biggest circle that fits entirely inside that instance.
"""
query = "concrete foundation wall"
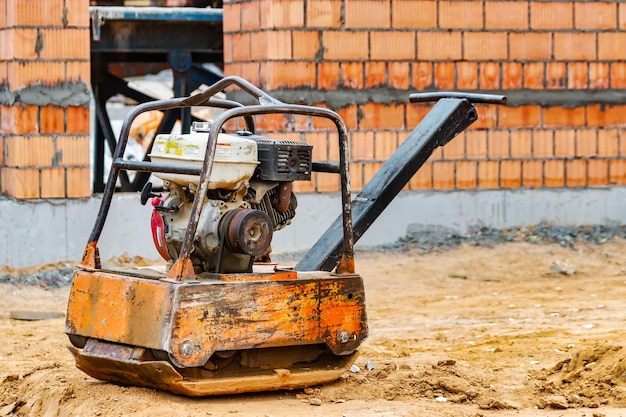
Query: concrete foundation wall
(45, 231)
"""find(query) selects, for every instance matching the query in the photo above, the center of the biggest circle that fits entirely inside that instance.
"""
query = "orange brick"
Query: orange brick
(554, 173)
(621, 18)
(608, 45)
(399, 75)
(543, 143)
(466, 75)
(250, 16)
(595, 15)
(271, 122)
(282, 14)
(614, 115)
(52, 182)
(530, 46)
(289, 75)
(586, 142)
(577, 75)
(534, 75)
(302, 123)
(77, 182)
(392, 45)
(367, 13)
(574, 46)
(333, 146)
(565, 143)
(551, 15)
(556, 75)
(369, 170)
(455, 149)
(29, 151)
(278, 45)
(487, 115)
(511, 75)
(617, 171)
(608, 142)
(576, 173)
(521, 143)
(461, 15)
(375, 74)
(362, 144)
(323, 14)
(385, 144)
(439, 46)
(443, 175)
(72, 150)
(444, 75)
(558, 116)
(488, 174)
(532, 174)
(598, 75)
(414, 14)
(65, 43)
(423, 179)
(306, 45)
(19, 119)
(523, 116)
(77, 13)
(622, 142)
(618, 74)
(34, 12)
(327, 75)
(23, 74)
(255, 46)
(498, 144)
(466, 174)
(476, 144)
(489, 76)
(421, 75)
(231, 17)
(251, 71)
(485, 45)
(4, 72)
(51, 119)
(600, 115)
(597, 172)
(356, 176)
(415, 113)
(380, 116)
(18, 44)
(300, 187)
(345, 45)
(510, 174)
(228, 48)
(349, 114)
(77, 119)
(21, 183)
(78, 72)
(506, 15)
(351, 74)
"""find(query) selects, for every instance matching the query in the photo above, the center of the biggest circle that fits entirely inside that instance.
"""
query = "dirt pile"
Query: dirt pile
(591, 377)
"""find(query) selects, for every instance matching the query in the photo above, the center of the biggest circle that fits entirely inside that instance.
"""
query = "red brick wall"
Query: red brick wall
(44, 98)
(562, 64)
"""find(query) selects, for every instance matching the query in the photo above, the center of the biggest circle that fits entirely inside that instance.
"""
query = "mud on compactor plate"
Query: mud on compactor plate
(221, 318)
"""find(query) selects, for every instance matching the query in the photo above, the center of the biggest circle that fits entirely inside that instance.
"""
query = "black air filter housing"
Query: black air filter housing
(283, 160)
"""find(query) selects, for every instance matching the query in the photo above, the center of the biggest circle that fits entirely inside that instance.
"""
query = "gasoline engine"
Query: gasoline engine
(249, 196)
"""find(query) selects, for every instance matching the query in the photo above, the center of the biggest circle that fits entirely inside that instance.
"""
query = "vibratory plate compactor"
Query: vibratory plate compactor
(221, 318)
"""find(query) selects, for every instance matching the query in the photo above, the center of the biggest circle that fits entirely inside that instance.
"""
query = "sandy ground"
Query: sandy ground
(472, 331)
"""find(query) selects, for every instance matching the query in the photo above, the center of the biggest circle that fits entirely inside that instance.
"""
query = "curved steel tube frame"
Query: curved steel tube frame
(183, 269)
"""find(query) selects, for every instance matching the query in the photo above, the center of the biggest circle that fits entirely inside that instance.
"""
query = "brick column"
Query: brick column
(560, 63)
(44, 98)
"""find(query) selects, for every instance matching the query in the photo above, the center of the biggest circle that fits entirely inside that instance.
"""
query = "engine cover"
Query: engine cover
(249, 197)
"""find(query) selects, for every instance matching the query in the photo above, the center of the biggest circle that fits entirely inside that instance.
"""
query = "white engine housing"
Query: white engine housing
(234, 163)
